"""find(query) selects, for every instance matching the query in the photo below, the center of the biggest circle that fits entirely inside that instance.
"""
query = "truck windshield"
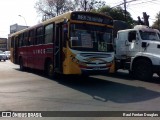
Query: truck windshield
(146, 35)
(94, 38)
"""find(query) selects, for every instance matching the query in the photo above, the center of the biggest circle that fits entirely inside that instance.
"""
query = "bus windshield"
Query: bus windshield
(146, 35)
(94, 38)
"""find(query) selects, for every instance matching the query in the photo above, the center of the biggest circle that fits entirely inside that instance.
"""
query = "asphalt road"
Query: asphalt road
(32, 91)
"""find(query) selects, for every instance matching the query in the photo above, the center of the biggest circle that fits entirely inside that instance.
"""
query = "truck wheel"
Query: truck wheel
(142, 69)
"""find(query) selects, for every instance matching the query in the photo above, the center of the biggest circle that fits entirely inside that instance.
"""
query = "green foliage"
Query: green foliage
(89, 5)
(51, 8)
(156, 24)
(117, 14)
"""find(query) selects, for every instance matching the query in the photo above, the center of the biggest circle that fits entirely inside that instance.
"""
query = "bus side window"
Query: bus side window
(39, 36)
(31, 37)
(17, 43)
(20, 39)
(49, 34)
(26, 39)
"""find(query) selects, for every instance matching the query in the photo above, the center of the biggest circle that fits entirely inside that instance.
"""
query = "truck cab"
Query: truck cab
(138, 50)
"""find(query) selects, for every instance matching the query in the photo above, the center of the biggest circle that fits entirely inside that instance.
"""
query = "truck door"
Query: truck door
(132, 43)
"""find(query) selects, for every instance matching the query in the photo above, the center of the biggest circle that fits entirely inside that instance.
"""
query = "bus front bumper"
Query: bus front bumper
(95, 72)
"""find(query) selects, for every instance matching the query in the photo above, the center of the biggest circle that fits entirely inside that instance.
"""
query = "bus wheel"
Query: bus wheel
(158, 73)
(22, 68)
(142, 69)
(49, 70)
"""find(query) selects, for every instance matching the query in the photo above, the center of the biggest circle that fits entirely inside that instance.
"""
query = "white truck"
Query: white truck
(138, 50)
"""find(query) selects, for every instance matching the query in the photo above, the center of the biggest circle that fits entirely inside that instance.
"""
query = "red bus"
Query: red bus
(72, 43)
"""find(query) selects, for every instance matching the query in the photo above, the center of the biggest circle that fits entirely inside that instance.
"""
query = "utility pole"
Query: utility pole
(125, 11)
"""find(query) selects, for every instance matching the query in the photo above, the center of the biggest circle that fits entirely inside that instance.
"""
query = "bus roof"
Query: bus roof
(57, 18)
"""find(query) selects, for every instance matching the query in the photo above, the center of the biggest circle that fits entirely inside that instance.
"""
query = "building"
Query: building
(3, 44)
(14, 28)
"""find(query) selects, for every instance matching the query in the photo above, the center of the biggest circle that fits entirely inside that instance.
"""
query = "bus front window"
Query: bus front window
(91, 38)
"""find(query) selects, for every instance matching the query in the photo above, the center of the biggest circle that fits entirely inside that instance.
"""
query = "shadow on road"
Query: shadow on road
(106, 90)
(126, 76)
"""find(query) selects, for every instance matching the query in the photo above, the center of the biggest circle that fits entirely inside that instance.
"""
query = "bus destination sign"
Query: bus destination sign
(91, 18)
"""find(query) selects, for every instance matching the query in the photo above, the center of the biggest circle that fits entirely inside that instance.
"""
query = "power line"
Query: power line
(116, 3)
(151, 1)
(128, 3)
(140, 3)
(143, 4)
(124, 3)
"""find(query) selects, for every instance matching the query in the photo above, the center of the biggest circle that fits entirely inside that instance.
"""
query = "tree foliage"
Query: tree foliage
(156, 24)
(51, 8)
(117, 14)
(88, 5)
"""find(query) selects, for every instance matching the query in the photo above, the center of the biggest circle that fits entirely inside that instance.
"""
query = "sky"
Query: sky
(11, 9)
(137, 7)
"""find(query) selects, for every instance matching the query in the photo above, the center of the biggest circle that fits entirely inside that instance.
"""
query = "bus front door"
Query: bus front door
(58, 48)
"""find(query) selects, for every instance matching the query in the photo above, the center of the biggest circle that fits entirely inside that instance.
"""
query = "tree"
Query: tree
(117, 14)
(156, 24)
(88, 5)
(51, 8)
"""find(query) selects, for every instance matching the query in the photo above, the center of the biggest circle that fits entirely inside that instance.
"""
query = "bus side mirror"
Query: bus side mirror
(65, 25)
(65, 31)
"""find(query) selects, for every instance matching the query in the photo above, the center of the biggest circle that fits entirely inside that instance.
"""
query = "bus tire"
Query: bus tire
(21, 66)
(49, 70)
(158, 73)
(142, 69)
(131, 74)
